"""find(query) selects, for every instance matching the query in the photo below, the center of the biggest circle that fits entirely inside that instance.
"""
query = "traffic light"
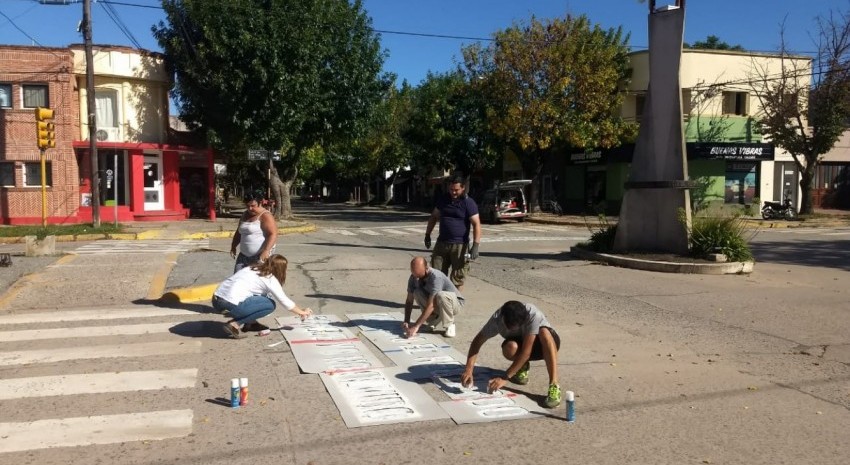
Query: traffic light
(45, 129)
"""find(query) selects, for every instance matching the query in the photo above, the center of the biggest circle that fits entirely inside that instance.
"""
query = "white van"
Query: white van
(505, 202)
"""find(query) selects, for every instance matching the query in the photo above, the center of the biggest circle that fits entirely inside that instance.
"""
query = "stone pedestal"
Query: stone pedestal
(40, 248)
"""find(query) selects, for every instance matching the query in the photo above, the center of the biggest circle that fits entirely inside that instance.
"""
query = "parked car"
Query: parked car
(505, 202)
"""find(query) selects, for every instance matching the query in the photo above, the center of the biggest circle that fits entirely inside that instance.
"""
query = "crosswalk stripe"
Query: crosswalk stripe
(414, 230)
(489, 229)
(98, 314)
(340, 231)
(395, 231)
(150, 246)
(843, 233)
(532, 239)
(529, 228)
(89, 331)
(102, 429)
(369, 232)
(146, 349)
(94, 383)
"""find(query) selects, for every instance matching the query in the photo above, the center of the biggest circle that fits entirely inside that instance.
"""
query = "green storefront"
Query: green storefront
(725, 172)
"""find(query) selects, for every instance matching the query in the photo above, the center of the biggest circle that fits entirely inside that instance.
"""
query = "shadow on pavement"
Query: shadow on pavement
(830, 254)
(357, 300)
(207, 329)
(192, 307)
(404, 249)
(561, 256)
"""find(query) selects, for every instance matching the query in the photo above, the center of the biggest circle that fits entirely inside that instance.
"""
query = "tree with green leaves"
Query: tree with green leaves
(449, 127)
(553, 85)
(713, 42)
(382, 147)
(805, 109)
(280, 75)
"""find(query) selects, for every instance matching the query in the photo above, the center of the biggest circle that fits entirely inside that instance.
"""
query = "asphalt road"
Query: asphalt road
(668, 368)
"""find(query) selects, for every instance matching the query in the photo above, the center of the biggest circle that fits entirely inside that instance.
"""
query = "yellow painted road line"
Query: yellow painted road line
(94, 383)
(102, 429)
(160, 279)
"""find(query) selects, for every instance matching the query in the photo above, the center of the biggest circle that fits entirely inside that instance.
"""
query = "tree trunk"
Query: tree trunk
(532, 164)
(806, 179)
(280, 187)
(388, 188)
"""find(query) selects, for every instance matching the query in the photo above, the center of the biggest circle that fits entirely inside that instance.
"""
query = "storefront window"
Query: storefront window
(741, 182)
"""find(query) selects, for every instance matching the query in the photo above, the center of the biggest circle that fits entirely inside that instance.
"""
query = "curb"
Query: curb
(664, 267)
(310, 227)
(155, 234)
(189, 294)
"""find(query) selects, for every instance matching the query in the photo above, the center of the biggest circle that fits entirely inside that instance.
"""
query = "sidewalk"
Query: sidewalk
(192, 228)
(821, 219)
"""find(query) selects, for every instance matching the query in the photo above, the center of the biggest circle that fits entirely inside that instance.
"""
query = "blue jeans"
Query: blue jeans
(250, 310)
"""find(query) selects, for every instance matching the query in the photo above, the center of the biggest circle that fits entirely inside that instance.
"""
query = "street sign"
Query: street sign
(258, 154)
(262, 155)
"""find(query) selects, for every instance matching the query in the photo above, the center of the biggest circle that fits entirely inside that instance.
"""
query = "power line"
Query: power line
(113, 14)
(12, 22)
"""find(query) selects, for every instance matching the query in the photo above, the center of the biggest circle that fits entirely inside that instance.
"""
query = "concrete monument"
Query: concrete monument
(658, 187)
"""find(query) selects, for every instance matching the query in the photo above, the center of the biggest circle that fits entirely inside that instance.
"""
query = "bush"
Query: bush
(726, 235)
(601, 235)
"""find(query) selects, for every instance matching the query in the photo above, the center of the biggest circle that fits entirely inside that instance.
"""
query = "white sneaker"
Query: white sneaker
(450, 330)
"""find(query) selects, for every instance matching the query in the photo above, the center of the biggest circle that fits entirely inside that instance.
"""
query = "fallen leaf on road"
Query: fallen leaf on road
(752, 388)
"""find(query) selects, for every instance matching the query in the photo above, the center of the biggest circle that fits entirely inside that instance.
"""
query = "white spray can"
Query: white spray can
(571, 406)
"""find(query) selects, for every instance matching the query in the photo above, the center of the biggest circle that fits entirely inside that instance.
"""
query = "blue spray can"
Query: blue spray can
(571, 406)
(234, 393)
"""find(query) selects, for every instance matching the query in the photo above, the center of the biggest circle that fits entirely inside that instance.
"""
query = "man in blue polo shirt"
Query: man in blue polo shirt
(457, 213)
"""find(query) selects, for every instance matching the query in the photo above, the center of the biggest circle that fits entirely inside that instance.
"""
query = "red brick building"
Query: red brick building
(33, 77)
(144, 172)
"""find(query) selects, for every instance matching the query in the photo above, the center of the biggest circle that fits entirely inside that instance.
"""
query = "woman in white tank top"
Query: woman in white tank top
(256, 234)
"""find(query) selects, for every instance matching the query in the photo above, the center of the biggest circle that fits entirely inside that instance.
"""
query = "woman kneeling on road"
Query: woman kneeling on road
(244, 295)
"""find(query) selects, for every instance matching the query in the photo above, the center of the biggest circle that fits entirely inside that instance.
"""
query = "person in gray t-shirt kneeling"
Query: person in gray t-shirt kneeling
(528, 336)
(434, 292)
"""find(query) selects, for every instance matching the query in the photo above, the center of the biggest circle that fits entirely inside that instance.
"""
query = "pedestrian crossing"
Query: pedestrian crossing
(829, 232)
(141, 247)
(390, 231)
(64, 370)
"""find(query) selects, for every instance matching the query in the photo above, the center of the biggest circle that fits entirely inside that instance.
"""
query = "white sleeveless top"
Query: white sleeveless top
(252, 238)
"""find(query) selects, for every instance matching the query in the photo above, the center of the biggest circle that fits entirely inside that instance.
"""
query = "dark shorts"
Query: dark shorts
(537, 348)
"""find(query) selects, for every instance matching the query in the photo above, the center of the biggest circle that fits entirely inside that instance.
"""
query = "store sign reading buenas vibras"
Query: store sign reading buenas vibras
(735, 151)
(586, 157)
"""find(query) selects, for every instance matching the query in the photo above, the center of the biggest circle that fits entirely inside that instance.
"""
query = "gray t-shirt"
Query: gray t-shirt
(433, 282)
(495, 325)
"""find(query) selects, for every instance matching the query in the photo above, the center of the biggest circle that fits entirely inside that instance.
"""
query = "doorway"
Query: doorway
(154, 200)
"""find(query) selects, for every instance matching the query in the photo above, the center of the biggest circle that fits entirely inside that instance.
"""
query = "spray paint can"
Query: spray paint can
(243, 391)
(234, 393)
(571, 406)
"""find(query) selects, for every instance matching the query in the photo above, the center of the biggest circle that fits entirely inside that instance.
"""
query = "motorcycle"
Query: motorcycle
(775, 210)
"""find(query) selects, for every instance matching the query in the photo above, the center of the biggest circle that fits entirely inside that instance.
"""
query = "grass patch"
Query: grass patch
(720, 234)
(59, 230)
(602, 235)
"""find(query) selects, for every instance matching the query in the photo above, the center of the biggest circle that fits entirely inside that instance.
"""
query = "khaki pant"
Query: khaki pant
(450, 255)
(446, 307)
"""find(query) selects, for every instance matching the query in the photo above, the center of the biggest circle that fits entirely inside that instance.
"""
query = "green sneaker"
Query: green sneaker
(521, 377)
(553, 399)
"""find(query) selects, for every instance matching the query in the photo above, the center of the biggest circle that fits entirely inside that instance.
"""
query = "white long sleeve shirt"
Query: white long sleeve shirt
(247, 282)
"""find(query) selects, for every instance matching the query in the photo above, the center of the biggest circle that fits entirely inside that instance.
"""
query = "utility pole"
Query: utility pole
(90, 106)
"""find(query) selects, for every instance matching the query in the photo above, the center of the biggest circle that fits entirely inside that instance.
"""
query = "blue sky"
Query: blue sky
(754, 24)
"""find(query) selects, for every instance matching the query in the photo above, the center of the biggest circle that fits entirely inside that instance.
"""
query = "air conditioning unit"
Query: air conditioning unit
(108, 134)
